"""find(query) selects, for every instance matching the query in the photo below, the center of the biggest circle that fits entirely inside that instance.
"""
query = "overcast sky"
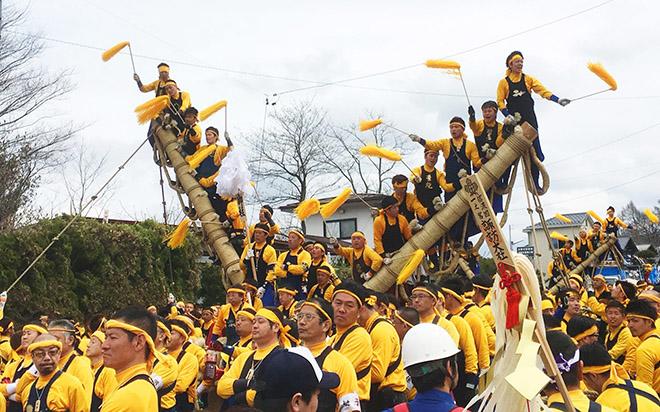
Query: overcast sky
(588, 145)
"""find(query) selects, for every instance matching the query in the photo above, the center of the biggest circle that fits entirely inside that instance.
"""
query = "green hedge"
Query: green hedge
(100, 267)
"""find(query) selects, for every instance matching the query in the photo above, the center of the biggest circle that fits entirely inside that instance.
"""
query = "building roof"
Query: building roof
(577, 219)
(373, 199)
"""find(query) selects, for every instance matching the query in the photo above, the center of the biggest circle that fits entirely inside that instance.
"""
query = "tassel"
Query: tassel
(563, 218)
(652, 217)
(307, 208)
(558, 236)
(449, 66)
(151, 109)
(206, 113)
(112, 51)
(196, 159)
(369, 124)
(600, 71)
(508, 278)
(176, 238)
(375, 151)
(410, 267)
(594, 215)
(331, 207)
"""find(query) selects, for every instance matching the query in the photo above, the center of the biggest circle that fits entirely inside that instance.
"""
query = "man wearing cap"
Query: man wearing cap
(292, 265)
(184, 389)
(391, 230)
(129, 349)
(165, 370)
(514, 95)
(208, 169)
(53, 389)
(314, 326)
(234, 384)
(618, 339)
(286, 294)
(191, 134)
(641, 322)
(482, 285)
(352, 340)
(388, 382)
(324, 288)
(611, 382)
(409, 206)
(364, 261)
(432, 368)
(261, 254)
(78, 366)
(159, 84)
(105, 380)
(567, 358)
(298, 393)
(266, 218)
(225, 322)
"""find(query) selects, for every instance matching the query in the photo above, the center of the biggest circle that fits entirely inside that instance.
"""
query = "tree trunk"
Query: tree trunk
(441, 222)
(216, 236)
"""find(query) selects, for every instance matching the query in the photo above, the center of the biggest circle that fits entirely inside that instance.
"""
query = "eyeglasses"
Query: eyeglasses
(40, 354)
(307, 316)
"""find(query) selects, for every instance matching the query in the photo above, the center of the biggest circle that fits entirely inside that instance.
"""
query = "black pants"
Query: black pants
(384, 399)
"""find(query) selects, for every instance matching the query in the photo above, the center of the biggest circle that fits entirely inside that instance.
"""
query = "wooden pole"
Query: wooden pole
(441, 222)
(216, 236)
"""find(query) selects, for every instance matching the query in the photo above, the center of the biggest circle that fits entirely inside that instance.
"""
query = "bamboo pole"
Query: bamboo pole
(441, 222)
(215, 235)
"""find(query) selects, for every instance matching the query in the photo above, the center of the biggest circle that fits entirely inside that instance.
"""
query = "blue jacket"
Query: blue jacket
(431, 401)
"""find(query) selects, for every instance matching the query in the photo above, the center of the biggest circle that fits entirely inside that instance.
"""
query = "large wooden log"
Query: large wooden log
(215, 234)
(517, 144)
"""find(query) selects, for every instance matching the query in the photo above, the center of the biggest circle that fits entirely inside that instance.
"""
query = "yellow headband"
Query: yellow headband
(245, 313)
(601, 277)
(99, 335)
(405, 322)
(481, 287)
(458, 124)
(634, 315)
(547, 304)
(297, 233)
(577, 278)
(319, 308)
(358, 234)
(8, 327)
(163, 68)
(44, 344)
(153, 353)
(648, 296)
(271, 316)
(591, 331)
(261, 229)
(453, 294)
(596, 369)
(348, 292)
(400, 185)
(425, 290)
(287, 291)
(189, 322)
(249, 285)
(166, 331)
(515, 57)
(371, 300)
(35, 328)
(181, 332)
(324, 269)
(236, 290)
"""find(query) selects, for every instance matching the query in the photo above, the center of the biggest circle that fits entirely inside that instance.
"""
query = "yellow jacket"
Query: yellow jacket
(168, 370)
(268, 255)
(447, 325)
(81, 368)
(413, 205)
(327, 293)
(356, 346)
(137, 396)
(480, 331)
(187, 374)
(616, 394)
(273, 230)
(9, 374)
(531, 83)
(477, 127)
(372, 259)
(106, 382)
(379, 230)
(487, 313)
(466, 343)
(223, 315)
(386, 366)
(619, 340)
(155, 85)
(303, 261)
(578, 398)
(337, 363)
(65, 394)
(440, 177)
(234, 216)
(5, 352)
(444, 146)
(647, 359)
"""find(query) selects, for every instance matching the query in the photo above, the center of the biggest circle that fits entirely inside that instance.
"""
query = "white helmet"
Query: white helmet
(426, 342)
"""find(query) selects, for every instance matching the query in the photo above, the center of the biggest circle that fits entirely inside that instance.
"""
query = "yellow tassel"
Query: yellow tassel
(410, 267)
(652, 217)
(594, 215)
(375, 151)
(558, 236)
(443, 64)
(110, 53)
(331, 207)
(151, 109)
(196, 159)
(600, 71)
(563, 218)
(176, 238)
(369, 124)
(307, 208)
(206, 113)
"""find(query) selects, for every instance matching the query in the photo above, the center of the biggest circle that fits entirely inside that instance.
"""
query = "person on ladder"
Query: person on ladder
(514, 96)
(157, 85)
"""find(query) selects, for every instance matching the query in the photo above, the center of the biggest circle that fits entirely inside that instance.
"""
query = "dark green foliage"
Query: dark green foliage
(99, 267)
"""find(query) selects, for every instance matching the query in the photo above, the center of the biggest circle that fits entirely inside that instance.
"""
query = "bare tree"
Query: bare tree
(644, 231)
(29, 142)
(80, 179)
(364, 174)
(289, 160)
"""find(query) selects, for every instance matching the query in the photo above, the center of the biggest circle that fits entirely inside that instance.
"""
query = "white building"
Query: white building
(353, 215)
(570, 230)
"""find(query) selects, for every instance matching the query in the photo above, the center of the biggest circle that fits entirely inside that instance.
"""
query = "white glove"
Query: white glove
(415, 138)
(171, 298)
(304, 289)
(564, 102)
(490, 153)
(11, 388)
(510, 120)
(367, 275)
(157, 380)
(3, 299)
(333, 241)
(462, 173)
(417, 179)
(13, 397)
(387, 261)
(226, 224)
(261, 291)
(201, 388)
(33, 371)
(250, 253)
(136, 77)
(517, 117)
(415, 226)
(374, 212)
